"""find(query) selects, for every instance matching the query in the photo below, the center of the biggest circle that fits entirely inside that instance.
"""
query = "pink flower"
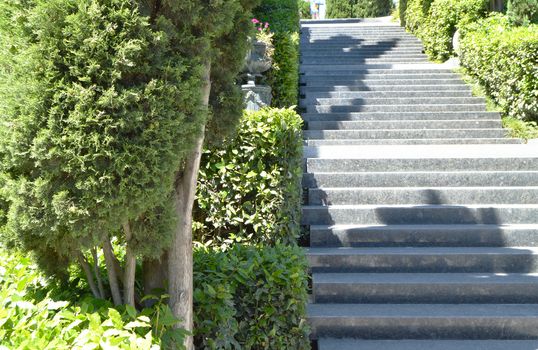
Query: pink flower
(266, 24)
(254, 20)
(260, 29)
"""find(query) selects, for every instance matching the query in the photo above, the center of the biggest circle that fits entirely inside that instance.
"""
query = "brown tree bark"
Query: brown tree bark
(180, 261)
(89, 276)
(130, 268)
(154, 274)
(98, 273)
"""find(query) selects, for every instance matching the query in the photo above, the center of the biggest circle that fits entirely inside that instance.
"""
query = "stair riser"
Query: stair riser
(351, 83)
(452, 215)
(425, 328)
(354, 344)
(379, 86)
(449, 263)
(319, 98)
(372, 52)
(409, 179)
(475, 141)
(430, 124)
(475, 107)
(392, 196)
(388, 78)
(428, 164)
(339, 102)
(402, 134)
(372, 60)
(426, 236)
(424, 293)
(409, 116)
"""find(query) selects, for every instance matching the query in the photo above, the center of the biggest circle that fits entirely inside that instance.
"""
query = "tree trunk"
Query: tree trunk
(180, 254)
(155, 274)
(111, 271)
(89, 276)
(130, 268)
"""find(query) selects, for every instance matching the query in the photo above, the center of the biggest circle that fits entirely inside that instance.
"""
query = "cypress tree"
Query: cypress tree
(106, 105)
(522, 12)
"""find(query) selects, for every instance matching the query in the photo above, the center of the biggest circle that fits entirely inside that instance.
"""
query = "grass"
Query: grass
(517, 128)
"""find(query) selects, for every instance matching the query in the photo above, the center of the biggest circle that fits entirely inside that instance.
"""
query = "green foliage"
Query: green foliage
(249, 189)
(522, 12)
(416, 14)
(250, 297)
(340, 8)
(283, 17)
(304, 9)
(358, 8)
(521, 129)
(372, 8)
(27, 322)
(503, 59)
(402, 8)
(445, 16)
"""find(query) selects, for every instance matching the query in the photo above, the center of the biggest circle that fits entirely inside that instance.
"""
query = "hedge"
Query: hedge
(283, 18)
(522, 12)
(402, 7)
(416, 14)
(503, 58)
(250, 297)
(358, 8)
(250, 187)
(445, 16)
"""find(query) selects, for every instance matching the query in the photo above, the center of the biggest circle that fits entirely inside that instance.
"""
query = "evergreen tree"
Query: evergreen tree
(106, 105)
(522, 12)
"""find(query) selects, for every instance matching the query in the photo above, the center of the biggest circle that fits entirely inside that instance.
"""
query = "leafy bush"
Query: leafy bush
(283, 17)
(503, 58)
(358, 8)
(250, 298)
(522, 12)
(416, 14)
(445, 16)
(372, 8)
(340, 8)
(30, 322)
(304, 9)
(251, 186)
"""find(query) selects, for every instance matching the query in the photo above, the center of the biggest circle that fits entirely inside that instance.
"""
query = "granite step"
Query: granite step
(426, 214)
(380, 86)
(423, 195)
(425, 288)
(405, 124)
(320, 97)
(362, 60)
(404, 133)
(380, 72)
(410, 116)
(405, 344)
(437, 141)
(412, 179)
(420, 235)
(424, 321)
(423, 260)
(394, 107)
(375, 76)
(408, 83)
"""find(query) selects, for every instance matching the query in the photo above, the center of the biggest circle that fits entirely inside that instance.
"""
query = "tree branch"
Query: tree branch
(89, 276)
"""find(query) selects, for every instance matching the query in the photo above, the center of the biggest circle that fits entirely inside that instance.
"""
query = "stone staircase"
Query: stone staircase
(423, 216)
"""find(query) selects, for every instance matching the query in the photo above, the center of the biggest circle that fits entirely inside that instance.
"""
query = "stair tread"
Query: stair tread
(422, 251)
(409, 344)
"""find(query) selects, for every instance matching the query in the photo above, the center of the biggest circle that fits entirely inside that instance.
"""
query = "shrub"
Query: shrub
(251, 186)
(304, 9)
(372, 8)
(445, 16)
(283, 17)
(340, 8)
(358, 8)
(522, 12)
(30, 322)
(416, 14)
(250, 298)
(503, 59)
